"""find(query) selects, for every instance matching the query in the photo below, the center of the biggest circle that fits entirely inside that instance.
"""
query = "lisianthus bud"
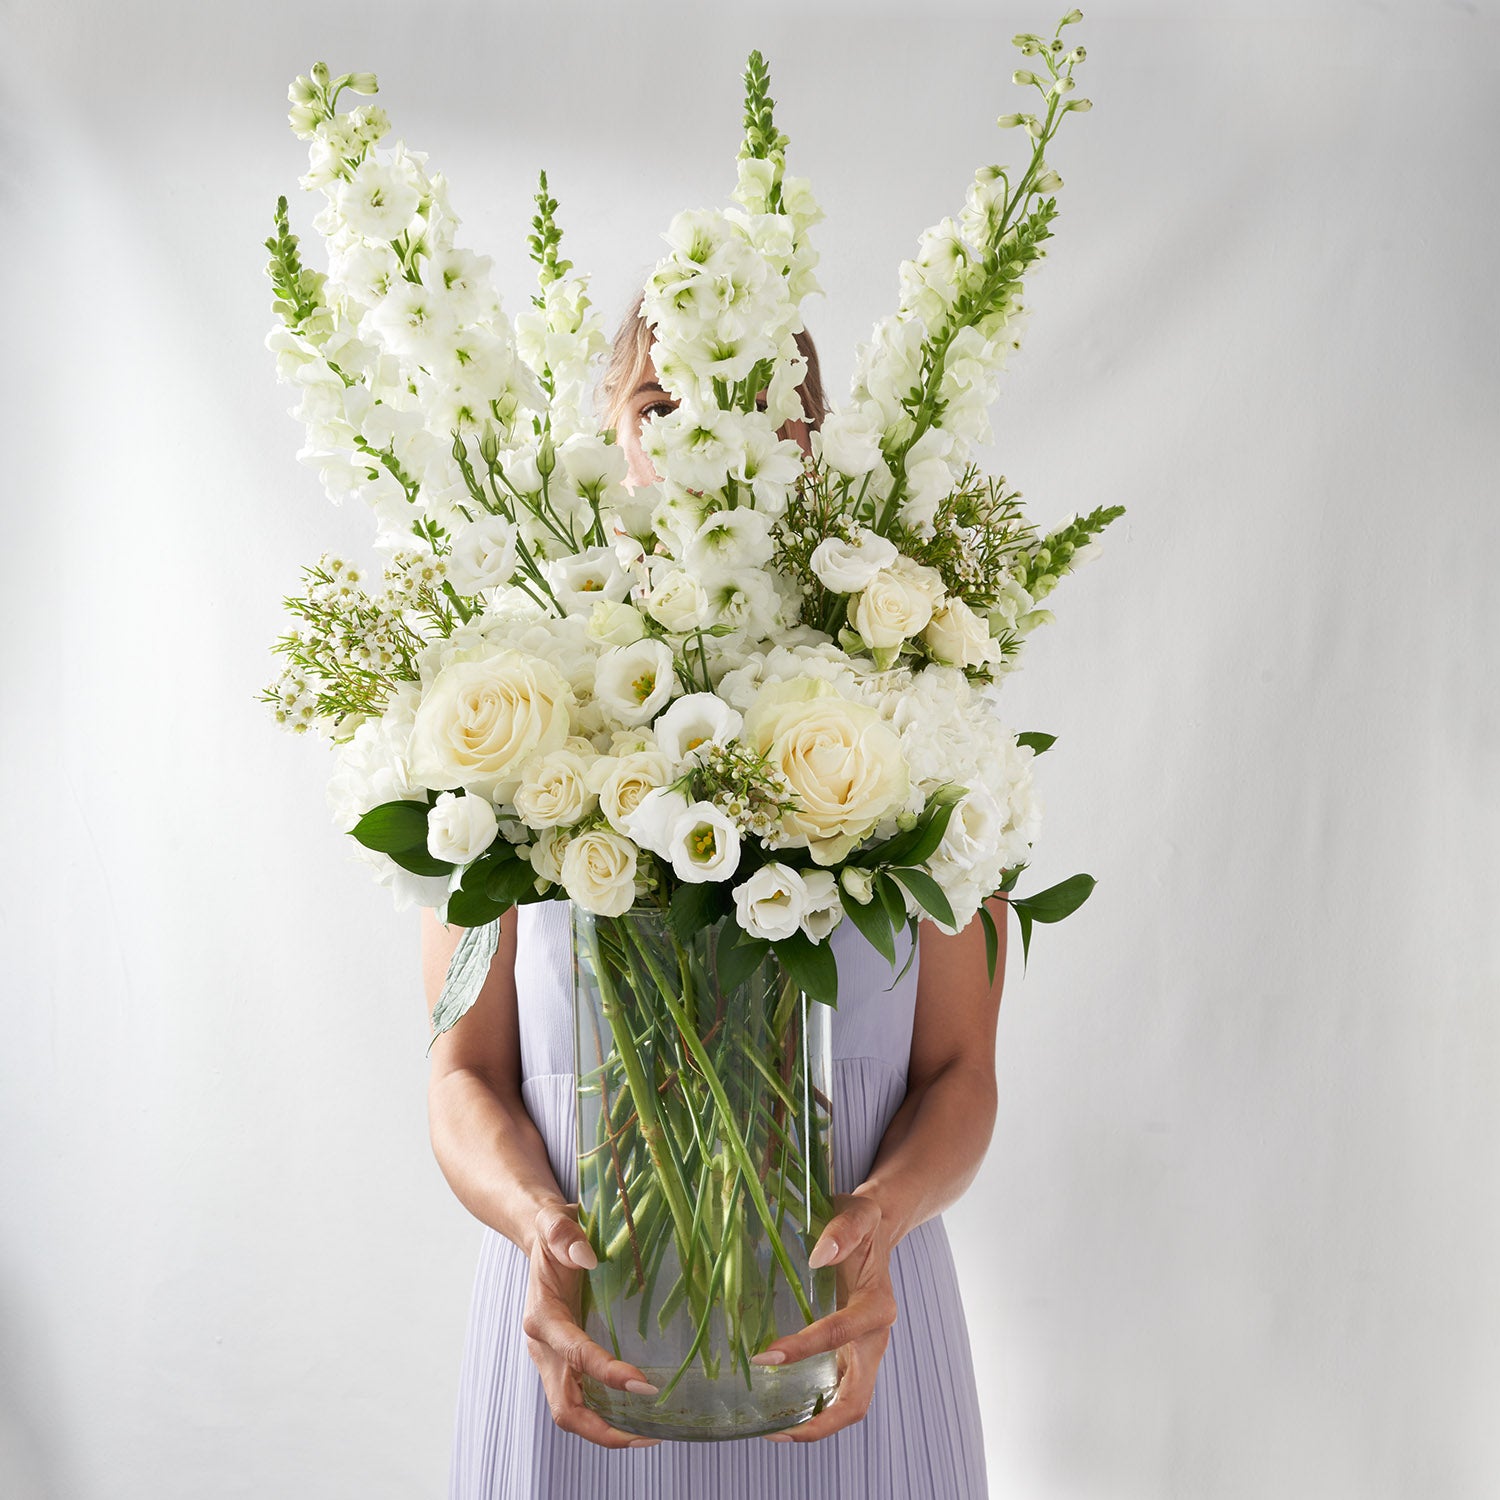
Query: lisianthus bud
(858, 884)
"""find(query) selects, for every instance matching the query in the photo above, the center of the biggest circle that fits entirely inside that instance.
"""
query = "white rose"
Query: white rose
(481, 720)
(460, 829)
(703, 844)
(554, 790)
(850, 441)
(546, 854)
(847, 567)
(842, 761)
(694, 720)
(622, 781)
(976, 827)
(634, 681)
(678, 603)
(957, 636)
(824, 910)
(598, 872)
(772, 902)
(896, 604)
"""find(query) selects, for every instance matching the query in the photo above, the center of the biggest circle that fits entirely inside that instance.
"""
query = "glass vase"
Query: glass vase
(705, 1175)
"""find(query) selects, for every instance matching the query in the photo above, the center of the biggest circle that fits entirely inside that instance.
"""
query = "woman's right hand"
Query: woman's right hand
(561, 1349)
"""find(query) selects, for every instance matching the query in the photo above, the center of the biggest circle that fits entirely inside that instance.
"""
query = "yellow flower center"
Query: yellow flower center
(644, 686)
(702, 842)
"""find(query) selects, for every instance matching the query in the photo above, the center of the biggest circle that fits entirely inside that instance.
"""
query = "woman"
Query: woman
(914, 1105)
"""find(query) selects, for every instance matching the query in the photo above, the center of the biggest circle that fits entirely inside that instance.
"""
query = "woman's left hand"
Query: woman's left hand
(856, 1240)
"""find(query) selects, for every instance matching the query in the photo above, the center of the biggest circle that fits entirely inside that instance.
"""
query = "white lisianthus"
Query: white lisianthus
(842, 762)
(772, 903)
(695, 720)
(975, 831)
(621, 781)
(679, 603)
(460, 829)
(555, 790)
(957, 636)
(635, 681)
(483, 556)
(616, 624)
(481, 720)
(896, 604)
(847, 567)
(704, 844)
(598, 872)
(849, 441)
(824, 911)
(580, 580)
(651, 821)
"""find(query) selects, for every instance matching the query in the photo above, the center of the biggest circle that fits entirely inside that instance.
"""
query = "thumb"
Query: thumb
(563, 1236)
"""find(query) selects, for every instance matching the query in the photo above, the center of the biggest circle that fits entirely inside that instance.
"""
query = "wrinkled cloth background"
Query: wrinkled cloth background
(1237, 1230)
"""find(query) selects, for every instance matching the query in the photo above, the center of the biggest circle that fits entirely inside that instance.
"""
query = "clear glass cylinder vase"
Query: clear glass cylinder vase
(705, 1174)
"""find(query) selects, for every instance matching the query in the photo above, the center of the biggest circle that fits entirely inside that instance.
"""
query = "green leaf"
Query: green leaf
(508, 880)
(1036, 741)
(811, 965)
(1025, 920)
(420, 862)
(889, 895)
(991, 940)
(393, 827)
(737, 955)
(875, 923)
(928, 893)
(467, 971)
(473, 908)
(918, 842)
(1057, 901)
(1012, 875)
(913, 928)
(694, 906)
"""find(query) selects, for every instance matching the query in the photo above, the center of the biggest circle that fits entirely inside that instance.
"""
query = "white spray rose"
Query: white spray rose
(554, 789)
(616, 624)
(896, 604)
(598, 872)
(849, 441)
(957, 636)
(460, 829)
(678, 603)
(847, 567)
(622, 781)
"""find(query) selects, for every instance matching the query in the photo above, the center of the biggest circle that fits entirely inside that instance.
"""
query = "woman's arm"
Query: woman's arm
(483, 1137)
(936, 1140)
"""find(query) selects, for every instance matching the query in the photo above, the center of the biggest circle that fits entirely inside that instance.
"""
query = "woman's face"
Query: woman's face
(648, 397)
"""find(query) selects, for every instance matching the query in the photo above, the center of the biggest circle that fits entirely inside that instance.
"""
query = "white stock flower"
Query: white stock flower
(598, 872)
(847, 567)
(460, 829)
(635, 681)
(729, 543)
(703, 844)
(378, 200)
(772, 902)
(694, 720)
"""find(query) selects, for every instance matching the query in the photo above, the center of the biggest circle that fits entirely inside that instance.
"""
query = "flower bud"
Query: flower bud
(320, 74)
(1070, 18)
(362, 83)
(1081, 104)
(858, 884)
(546, 456)
(1023, 75)
(1005, 122)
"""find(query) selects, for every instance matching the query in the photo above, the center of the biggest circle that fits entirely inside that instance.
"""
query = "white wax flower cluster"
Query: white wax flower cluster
(769, 673)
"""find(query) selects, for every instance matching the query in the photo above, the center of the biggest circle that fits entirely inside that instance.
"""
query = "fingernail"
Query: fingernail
(778, 1437)
(770, 1357)
(823, 1252)
(583, 1255)
(642, 1388)
(645, 1442)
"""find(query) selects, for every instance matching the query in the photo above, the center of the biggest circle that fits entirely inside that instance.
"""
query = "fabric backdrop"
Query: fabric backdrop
(1237, 1233)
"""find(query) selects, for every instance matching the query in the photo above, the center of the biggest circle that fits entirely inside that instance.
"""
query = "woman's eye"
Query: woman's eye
(665, 406)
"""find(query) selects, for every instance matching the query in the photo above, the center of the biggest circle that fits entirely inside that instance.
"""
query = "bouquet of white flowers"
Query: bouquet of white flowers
(755, 697)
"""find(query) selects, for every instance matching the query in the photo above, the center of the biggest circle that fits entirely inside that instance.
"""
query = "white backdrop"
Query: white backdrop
(1238, 1232)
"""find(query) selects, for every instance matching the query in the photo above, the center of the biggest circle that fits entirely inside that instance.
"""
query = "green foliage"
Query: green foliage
(298, 288)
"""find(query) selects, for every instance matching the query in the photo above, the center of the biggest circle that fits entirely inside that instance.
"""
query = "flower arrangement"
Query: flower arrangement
(760, 691)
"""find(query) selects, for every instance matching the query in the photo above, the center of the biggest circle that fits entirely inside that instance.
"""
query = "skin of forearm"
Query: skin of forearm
(932, 1149)
(491, 1153)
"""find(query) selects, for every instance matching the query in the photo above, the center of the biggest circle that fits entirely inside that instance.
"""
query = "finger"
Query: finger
(571, 1415)
(547, 1324)
(846, 1229)
(850, 1404)
(561, 1235)
(869, 1310)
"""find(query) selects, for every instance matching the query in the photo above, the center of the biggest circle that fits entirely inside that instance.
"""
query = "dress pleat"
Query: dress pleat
(922, 1437)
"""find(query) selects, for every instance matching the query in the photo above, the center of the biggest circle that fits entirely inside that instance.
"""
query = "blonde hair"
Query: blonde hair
(630, 358)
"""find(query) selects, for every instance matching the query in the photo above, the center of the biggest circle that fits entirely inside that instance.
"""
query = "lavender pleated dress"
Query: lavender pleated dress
(921, 1438)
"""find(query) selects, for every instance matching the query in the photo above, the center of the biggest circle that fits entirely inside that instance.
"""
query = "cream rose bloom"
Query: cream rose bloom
(598, 872)
(958, 637)
(896, 604)
(623, 780)
(481, 720)
(842, 761)
(554, 790)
